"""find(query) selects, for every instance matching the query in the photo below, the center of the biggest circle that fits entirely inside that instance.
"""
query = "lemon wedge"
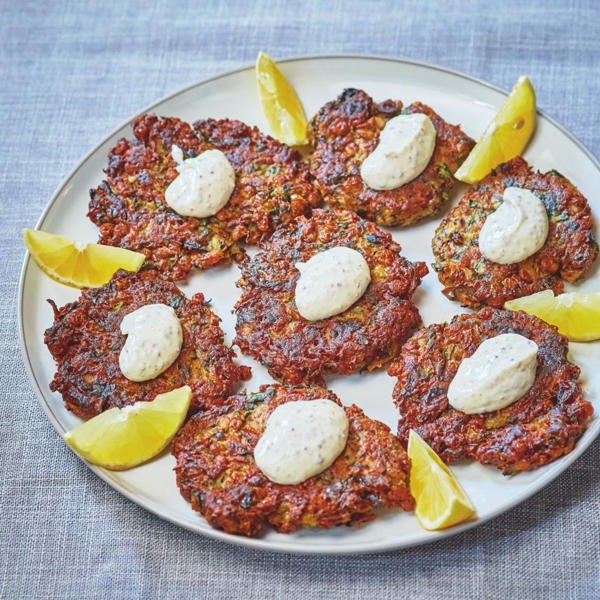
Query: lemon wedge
(280, 103)
(575, 314)
(78, 264)
(441, 502)
(506, 135)
(121, 438)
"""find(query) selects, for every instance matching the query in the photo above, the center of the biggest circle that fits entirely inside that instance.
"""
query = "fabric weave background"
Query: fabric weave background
(70, 72)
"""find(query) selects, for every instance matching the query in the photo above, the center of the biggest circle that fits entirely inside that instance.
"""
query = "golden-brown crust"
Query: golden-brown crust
(216, 471)
(272, 187)
(536, 429)
(568, 253)
(365, 336)
(346, 130)
(86, 341)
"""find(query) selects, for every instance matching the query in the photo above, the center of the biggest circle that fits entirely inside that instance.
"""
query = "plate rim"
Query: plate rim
(261, 543)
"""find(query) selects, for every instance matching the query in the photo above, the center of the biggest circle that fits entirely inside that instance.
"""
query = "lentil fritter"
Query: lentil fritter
(568, 253)
(538, 428)
(346, 130)
(216, 471)
(365, 336)
(272, 187)
(86, 341)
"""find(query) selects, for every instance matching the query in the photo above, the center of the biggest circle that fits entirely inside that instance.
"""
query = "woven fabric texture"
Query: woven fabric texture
(73, 70)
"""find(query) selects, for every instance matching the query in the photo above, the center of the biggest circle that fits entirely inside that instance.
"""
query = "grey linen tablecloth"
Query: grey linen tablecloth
(70, 72)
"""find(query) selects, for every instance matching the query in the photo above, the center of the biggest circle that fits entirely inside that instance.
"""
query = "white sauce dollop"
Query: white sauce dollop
(330, 282)
(500, 371)
(517, 229)
(203, 186)
(154, 340)
(301, 440)
(405, 147)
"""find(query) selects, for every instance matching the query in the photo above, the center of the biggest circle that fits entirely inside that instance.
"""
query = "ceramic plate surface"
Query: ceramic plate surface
(459, 99)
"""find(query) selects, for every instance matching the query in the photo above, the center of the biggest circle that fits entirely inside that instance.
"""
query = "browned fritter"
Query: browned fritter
(365, 336)
(568, 253)
(272, 187)
(216, 471)
(346, 130)
(86, 341)
(538, 428)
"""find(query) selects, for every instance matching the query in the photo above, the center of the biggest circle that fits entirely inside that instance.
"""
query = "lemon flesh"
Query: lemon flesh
(505, 136)
(121, 438)
(280, 103)
(78, 265)
(576, 315)
(441, 501)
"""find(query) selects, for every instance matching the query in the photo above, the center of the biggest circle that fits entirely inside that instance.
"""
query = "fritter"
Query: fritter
(216, 471)
(568, 253)
(536, 429)
(272, 187)
(365, 336)
(346, 130)
(86, 341)
(273, 184)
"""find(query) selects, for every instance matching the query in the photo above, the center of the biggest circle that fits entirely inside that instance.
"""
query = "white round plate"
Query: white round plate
(459, 99)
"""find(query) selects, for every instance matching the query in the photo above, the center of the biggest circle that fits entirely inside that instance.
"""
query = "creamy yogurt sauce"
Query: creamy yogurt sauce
(517, 229)
(154, 339)
(405, 147)
(203, 186)
(301, 440)
(330, 282)
(500, 371)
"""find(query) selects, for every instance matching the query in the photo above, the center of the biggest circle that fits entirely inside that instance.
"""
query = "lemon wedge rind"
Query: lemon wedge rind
(576, 314)
(122, 438)
(505, 137)
(78, 264)
(281, 106)
(441, 502)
